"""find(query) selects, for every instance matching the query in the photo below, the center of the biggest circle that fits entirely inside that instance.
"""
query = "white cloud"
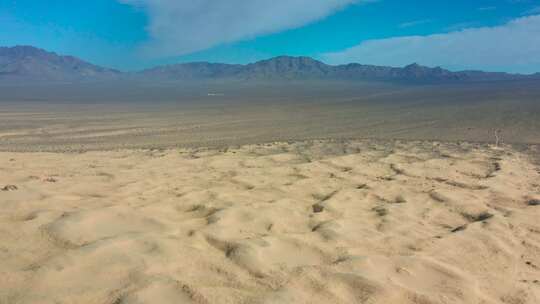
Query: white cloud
(513, 47)
(180, 27)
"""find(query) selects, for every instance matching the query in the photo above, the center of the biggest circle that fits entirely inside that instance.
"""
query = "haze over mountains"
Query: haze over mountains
(27, 63)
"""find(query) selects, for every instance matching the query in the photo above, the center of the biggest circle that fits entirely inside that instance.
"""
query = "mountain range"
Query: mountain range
(27, 63)
(30, 63)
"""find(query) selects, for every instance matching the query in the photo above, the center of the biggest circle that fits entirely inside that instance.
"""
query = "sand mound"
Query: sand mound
(305, 222)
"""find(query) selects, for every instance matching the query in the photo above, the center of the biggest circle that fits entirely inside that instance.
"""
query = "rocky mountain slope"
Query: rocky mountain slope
(29, 63)
(26, 63)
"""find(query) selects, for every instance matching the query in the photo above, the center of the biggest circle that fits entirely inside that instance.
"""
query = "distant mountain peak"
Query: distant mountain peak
(414, 66)
(289, 60)
(23, 49)
(27, 62)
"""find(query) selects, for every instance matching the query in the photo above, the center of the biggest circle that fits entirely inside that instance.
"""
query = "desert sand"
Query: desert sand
(360, 221)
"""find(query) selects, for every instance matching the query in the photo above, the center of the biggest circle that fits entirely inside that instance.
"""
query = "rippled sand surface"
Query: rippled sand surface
(304, 222)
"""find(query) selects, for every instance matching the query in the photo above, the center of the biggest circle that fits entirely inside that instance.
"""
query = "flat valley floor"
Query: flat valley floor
(68, 118)
(321, 221)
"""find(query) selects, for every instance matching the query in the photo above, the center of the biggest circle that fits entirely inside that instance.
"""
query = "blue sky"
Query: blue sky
(495, 35)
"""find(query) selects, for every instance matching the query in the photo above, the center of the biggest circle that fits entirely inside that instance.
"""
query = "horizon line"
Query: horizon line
(257, 61)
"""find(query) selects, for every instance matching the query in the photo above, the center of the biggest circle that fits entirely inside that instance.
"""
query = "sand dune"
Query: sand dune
(305, 222)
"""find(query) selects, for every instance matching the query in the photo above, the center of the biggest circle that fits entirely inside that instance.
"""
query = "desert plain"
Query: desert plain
(350, 201)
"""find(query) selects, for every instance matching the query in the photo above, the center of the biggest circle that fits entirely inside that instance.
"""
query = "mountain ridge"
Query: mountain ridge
(30, 63)
(27, 62)
(298, 68)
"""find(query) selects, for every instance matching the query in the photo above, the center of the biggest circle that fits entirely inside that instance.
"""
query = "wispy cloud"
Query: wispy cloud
(533, 11)
(179, 27)
(415, 23)
(462, 26)
(514, 47)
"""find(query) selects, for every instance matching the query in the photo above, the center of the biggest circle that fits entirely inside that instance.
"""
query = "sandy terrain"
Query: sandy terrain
(306, 222)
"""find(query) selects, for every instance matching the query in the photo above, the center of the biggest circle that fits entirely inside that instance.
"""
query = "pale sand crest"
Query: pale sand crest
(307, 222)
